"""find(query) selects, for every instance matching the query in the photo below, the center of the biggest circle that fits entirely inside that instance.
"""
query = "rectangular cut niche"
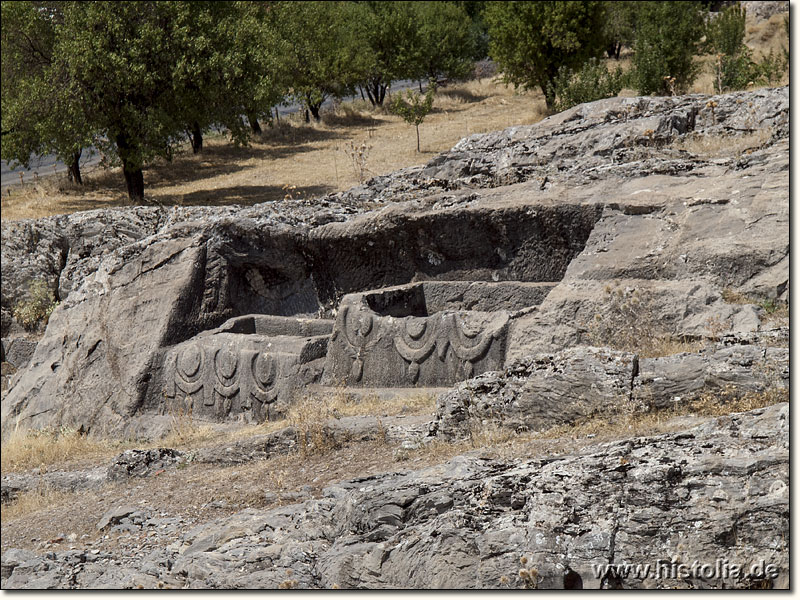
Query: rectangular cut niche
(425, 334)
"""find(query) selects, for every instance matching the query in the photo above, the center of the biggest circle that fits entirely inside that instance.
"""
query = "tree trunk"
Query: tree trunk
(74, 168)
(196, 137)
(134, 178)
(546, 85)
(417, 126)
(314, 108)
(613, 49)
(419, 81)
(361, 89)
(254, 126)
(376, 91)
(134, 181)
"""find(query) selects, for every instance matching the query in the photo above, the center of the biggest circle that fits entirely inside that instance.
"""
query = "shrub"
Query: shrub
(592, 82)
(667, 39)
(725, 33)
(734, 67)
(37, 307)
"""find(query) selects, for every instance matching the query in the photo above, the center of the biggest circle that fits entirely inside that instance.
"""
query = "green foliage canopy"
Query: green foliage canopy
(446, 41)
(132, 77)
(322, 49)
(531, 41)
(390, 35)
(41, 112)
(667, 39)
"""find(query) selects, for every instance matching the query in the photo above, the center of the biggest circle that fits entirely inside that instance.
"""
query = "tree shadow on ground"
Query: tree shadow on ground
(245, 195)
(461, 95)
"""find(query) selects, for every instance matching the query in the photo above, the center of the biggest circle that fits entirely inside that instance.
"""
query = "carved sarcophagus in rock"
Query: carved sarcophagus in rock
(248, 369)
(425, 334)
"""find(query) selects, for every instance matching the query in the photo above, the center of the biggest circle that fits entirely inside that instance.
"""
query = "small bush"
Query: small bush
(36, 309)
(629, 322)
(734, 67)
(667, 40)
(592, 82)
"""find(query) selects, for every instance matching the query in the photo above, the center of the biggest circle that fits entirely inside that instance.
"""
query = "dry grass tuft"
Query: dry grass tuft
(41, 498)
(627, 321)
(724, 146)
(347, 404)
(46, 447)
(309, 417)
(185, 431)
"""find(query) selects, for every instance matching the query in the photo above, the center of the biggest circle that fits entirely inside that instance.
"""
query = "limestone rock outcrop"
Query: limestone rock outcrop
(688, 507)
(679, 204)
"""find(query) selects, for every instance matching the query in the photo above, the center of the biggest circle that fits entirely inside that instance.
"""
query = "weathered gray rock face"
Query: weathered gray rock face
(61, 250)
(604, 192)
(715, 492)
(109, 344)
(762, 10)
(732, 371)
(540, 392)
(17, 351)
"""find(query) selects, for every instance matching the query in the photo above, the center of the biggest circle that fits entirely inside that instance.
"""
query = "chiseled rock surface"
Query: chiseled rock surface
(715, 492)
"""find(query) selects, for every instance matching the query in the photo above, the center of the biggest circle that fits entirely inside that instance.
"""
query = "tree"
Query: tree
(733, 66)
(389, 33)
(619, 26)
(479, 30)
(260, 79)
(414, 107)
(446, 41)
(322, 50)
(667, 39)
(531, 41)
(148, 71)
(39, 114)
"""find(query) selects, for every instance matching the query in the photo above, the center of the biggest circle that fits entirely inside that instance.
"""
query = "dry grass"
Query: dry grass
(33, 501)
(767, 36)
(724, 146)
(185, 432)
(311, 414)
(774, 311)
(627, 320)
(44, 448)
(292, 159)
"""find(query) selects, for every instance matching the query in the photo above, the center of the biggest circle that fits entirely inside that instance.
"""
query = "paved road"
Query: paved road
(44, 166)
